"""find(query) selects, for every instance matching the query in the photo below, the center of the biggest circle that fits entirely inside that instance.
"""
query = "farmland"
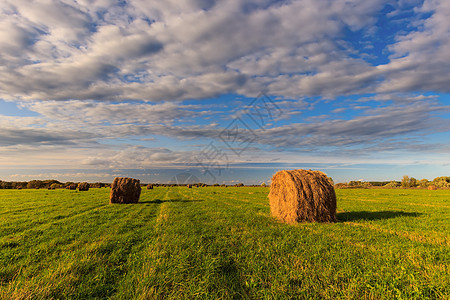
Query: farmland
(221, 243)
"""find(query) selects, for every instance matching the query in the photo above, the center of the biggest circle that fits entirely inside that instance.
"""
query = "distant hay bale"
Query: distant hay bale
(71, 187)
(432, 187)
(150, 187)
(125, 190)
(301, 195)
(83, 186)
(189, 186)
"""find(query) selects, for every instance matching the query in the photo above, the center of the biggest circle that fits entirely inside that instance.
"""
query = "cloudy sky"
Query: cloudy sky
(224, 90)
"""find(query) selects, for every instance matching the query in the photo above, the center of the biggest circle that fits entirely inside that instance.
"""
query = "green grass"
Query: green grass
(221, 243)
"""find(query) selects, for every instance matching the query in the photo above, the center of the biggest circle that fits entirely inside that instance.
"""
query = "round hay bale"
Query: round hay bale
(432, 187)
(189, 186)
(125, 190)
(83, 186)
(301, 195)
(150, 187)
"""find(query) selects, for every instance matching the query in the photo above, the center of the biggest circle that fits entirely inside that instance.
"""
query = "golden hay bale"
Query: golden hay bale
(150, 187)
(125, 190)
(83, 186)
(432, 187)
(301, 195)
(71, 187)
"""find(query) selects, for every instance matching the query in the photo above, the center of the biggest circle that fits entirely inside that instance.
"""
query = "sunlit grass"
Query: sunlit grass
(218, 243)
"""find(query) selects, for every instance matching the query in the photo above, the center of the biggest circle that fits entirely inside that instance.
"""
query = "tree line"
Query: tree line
(55, 184)
(406, 182)
(45, 184)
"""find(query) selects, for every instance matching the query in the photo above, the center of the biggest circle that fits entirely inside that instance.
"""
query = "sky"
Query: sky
(224, 91)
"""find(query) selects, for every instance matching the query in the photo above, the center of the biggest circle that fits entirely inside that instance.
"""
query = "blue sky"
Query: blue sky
(228, 91)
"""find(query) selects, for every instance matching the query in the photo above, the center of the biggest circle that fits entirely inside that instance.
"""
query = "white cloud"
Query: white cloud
(169, 50)
(180, 50)
(420, 59)
(91, 122)
(91, 113)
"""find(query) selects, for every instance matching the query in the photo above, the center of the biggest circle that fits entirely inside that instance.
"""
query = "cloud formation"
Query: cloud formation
(175, 50)
(408, 118)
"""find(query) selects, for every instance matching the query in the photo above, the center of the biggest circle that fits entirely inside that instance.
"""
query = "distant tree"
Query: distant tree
(18, 185)
(357, 184)
(405, 181)
(442, 182)
(378, 183)
(408, 181)
(392, 184)
(423, 183)
(98, 185)
(35, 184)
(340, 185)
(5, 185)
(48, 183)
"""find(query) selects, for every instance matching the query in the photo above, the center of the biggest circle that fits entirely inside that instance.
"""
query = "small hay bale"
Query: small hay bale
(301, 195)
(83, 186)
(189, 186)
(125, 190)
(150, 187)
(432, 187)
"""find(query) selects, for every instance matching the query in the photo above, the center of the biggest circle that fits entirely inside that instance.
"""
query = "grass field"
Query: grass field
(221, 243)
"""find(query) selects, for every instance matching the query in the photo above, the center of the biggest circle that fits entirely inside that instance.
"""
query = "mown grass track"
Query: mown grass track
(221, 243)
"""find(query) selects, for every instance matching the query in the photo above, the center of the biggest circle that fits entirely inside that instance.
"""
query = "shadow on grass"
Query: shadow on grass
(229, 277)
(158, 201)
(373, 215)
